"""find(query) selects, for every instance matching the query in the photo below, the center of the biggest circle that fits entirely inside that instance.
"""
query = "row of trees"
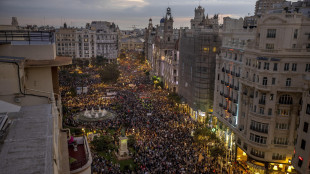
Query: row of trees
(205, 137)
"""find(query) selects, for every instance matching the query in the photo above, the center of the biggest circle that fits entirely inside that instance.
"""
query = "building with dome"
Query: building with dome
(160, 43)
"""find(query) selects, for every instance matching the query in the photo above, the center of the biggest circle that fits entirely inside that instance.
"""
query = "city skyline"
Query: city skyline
(124, 13)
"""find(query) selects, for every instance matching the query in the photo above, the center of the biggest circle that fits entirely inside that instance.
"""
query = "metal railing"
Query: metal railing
(26, 36)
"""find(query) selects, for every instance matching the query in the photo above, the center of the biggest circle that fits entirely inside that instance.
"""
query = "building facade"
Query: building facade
(260, 92)
(107, 39)
(35, 141)
(198, 49)
(66, 43)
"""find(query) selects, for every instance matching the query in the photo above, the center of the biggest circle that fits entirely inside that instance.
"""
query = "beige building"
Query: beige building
(66, 43)
(266, 112)
(132, 43)
(263, 6)
(34, 141)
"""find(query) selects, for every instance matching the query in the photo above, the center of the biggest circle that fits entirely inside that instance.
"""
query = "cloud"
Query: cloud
(124, 13)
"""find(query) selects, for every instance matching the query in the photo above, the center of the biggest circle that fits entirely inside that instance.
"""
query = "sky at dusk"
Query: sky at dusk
(125, 13)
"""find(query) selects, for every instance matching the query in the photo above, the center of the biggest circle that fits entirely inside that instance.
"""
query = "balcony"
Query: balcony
(26, 37)
(259, 130)
(80, 152)
(262, 102)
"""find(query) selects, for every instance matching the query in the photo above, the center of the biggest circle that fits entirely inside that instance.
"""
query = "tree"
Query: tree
(100, 61)
(174, 97)
(104, 143)
(217, 151)
(122, 56)
(110, 73)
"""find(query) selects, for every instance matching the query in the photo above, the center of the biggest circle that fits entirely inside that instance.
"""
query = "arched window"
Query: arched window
(286, 99)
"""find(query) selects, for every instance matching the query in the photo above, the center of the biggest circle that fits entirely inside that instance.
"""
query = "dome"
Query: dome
(162, 20)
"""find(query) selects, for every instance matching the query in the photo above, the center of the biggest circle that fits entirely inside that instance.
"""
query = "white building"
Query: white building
(107, 39)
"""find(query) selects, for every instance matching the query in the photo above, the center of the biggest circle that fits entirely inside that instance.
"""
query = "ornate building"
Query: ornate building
(262, 87)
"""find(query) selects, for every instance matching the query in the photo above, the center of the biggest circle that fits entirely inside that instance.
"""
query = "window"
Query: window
(284, 112)
(266, 66)
(288, 82)
(271, 33)
(258, 139)
(276, 156)
(306, 125)
(303, 144)
(261, 110)
(282, 126)
(206, 49)
(214, 49)
(271, 97)
(280, 140)
(259, 127)
(300, 162)
(275, 67)
(294, 67)
(265, 80)
(269, 111)
(259, 64)
(273, 81)
(269, 46)
(257, 153)
(286, 66)
(307, 67)
(295, 33)
(286, 99)
(308, 109)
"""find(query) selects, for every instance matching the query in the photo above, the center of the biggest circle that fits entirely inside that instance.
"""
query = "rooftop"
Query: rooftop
(28, 146)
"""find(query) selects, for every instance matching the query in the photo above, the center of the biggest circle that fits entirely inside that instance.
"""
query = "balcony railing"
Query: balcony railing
(259, 130)
(29, 37)
(262, 102)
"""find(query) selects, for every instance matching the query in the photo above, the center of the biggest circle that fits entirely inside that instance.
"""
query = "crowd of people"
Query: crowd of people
(163, 139)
